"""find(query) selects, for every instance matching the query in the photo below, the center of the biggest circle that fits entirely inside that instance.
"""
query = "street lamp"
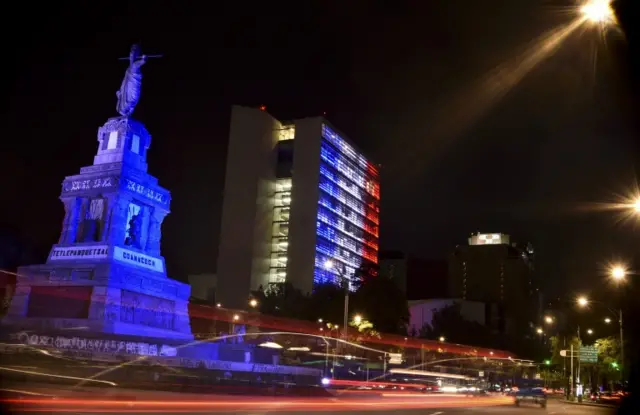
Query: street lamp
(589, 331)
(253, 303)
(539, 330)
(357, 319)
(583, 302)
(548, 319)
(329, 264)
(442, 339)
(618, 273)
(598, 11)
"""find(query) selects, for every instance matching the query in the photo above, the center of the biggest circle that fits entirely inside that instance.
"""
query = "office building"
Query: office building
(493, 270)
(418, 278)
(297, 195)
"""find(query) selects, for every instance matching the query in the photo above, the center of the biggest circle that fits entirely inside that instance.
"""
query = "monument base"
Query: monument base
(100, 296)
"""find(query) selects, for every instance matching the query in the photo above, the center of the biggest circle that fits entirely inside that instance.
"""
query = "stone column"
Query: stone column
(118, 223)
(155, 231)
(79, 207)
(68, 218)
(109, 214)
(145, 228)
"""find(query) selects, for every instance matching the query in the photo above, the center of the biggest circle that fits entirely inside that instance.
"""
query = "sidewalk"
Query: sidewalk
(587, 403)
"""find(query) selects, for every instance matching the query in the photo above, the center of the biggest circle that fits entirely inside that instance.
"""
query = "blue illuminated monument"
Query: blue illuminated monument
(106, 274)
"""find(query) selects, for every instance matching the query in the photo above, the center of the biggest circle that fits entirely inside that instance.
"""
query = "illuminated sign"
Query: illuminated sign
(489, 239)
(395, 358)
(102, 183)
(95, 345)
(147, 192)
(78, 252)
(135, 258)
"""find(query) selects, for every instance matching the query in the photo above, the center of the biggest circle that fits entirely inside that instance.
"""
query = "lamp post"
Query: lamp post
(329, 264)
(583, 302)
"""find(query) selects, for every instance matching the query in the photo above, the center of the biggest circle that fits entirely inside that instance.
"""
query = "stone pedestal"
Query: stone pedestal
(106, 274)
(101, 295)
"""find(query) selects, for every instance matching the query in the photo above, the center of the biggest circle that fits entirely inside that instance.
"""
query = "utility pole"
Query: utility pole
(571, 376)
(621, 346)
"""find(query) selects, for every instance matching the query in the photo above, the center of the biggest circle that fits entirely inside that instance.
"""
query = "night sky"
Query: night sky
(408, 81)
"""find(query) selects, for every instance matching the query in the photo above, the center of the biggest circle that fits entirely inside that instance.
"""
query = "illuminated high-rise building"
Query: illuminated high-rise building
(297, 194)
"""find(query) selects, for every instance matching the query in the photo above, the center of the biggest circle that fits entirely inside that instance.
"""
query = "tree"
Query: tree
(448, 322)
(381, 302)
(377, 298)
(282, 300)
(608, 368)
(562, 343)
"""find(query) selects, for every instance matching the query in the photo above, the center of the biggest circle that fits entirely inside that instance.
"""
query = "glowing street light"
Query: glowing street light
(583, 301)
(253, 303)
(589, 331)
(548, 319)
(320, 320)
(598, 11)
(539, 330)
(607, 320)
(442, 339)
(236, 317)
(618, 273)
(357, 319)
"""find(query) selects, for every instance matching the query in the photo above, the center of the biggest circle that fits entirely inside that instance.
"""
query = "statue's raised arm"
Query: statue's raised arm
(129, 92)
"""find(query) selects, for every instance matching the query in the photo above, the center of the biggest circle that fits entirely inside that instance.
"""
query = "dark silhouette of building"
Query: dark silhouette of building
(418, 278)
(492, 270)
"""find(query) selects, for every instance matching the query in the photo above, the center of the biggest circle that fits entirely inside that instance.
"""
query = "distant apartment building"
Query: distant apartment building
(421, 312)
(297, 195)
(418, 278)
(492, 270)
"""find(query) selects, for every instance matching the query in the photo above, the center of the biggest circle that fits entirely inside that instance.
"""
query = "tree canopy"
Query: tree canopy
(377, 299)
(448, 322)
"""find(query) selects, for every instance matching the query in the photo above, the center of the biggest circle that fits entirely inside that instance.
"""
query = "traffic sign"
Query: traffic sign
(589, 354)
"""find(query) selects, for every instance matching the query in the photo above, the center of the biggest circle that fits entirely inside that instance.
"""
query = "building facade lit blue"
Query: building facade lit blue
(298, 197)
(348, 215)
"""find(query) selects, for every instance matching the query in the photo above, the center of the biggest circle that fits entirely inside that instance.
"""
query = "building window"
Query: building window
(286, 133)
(112, 143)
(135, 144)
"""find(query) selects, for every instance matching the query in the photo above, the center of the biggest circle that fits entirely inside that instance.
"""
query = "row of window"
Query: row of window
(343, 183)
(347, 150)
(339, 162)
(344, 241)
(339, 209)
(329, 187)
(322, 274)
(280, 230)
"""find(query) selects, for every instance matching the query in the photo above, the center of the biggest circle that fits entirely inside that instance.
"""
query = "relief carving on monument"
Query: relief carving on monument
(146, 310)
(111, 309)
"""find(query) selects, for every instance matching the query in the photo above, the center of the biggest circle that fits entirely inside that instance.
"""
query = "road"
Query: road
(87, 401)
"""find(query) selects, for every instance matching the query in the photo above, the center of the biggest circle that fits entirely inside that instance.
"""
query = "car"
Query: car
(613, 398)
(534, 396)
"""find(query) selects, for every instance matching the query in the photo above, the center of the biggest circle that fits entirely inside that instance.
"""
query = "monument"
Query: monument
(106, 274)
